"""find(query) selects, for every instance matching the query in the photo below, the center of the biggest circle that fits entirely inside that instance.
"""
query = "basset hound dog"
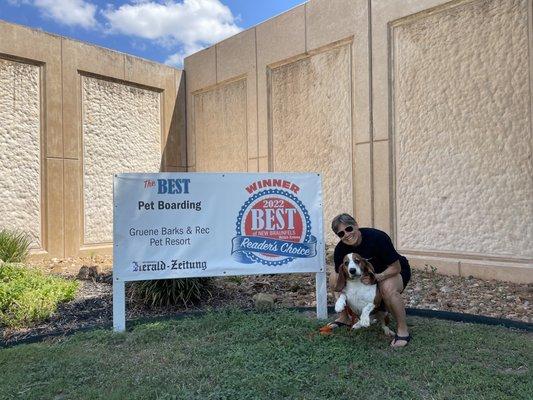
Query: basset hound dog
(361, 298)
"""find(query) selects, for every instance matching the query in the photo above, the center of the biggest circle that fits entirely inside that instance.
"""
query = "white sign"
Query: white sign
(182, 225)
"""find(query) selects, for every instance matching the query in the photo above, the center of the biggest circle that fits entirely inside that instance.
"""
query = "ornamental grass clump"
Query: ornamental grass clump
(170, 292)
(14, 246)
(28, 296)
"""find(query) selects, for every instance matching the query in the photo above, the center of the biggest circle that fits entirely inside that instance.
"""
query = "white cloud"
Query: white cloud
(69, 12)
(191, 24)
(176, 60)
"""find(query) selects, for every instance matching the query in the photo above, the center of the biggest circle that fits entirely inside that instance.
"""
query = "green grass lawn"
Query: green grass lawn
(278, 355)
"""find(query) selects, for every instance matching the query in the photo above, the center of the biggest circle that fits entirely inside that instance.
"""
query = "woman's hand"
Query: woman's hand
(372, 279)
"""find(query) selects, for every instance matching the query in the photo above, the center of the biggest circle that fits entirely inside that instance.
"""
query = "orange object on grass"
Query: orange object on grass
(328, 329)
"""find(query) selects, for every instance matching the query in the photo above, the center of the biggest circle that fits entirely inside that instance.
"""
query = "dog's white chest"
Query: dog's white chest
(358, 295)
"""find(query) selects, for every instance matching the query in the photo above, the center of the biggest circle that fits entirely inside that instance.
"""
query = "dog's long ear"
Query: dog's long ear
(341, 279)
(367, 266)
(368, 269)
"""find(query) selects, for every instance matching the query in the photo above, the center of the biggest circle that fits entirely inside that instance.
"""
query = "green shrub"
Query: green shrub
(28, 296)
(169, 292)
(13, 246)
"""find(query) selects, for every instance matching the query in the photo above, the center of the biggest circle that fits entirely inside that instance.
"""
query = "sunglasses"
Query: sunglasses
(348, 229)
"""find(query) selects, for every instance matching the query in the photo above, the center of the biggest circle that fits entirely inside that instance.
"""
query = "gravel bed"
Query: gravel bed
(427, 289)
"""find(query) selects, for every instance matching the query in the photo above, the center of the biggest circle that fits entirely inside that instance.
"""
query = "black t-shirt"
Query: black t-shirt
(376, 246)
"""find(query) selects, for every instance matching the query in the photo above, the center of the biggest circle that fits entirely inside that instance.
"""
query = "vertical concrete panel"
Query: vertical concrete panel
(363, 185)
(236, 57)
(311, 124)
(148, 73)
(61, 62)
(278, 39)
(72, 205)
(220, 126)
(31, 44)
(382, 186)
(361, 96)
(121, 133)
(175, 144)
(76, 57)
(263, 164)
(71, 100)
(54, 101)
(55, 207)
(20, 148)
(462, 130)
(383, 13)
(330, 21)
(201, 72)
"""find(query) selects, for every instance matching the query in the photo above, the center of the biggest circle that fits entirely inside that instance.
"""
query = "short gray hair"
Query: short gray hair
(344, 218)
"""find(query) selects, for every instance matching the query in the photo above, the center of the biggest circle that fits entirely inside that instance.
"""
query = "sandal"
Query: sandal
(407, 339)
(331, 326)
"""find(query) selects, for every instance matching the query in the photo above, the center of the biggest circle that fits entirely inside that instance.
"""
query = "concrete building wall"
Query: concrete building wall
(452, 111)
(121, 132)
(220, 121)
(305, 74)
(466, 128)
(299, 111)
(20, 147)
(72, 115)
(416, 113)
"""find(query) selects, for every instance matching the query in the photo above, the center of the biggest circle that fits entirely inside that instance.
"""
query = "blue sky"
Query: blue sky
(160, 30)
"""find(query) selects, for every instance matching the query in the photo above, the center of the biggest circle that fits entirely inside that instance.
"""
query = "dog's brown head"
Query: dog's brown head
(353, 266)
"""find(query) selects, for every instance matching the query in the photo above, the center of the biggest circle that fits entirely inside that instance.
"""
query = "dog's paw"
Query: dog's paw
(356, 326)
(364, 322)
(340, 305)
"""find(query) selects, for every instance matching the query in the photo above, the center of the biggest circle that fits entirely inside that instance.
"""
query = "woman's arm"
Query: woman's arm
(392, 270)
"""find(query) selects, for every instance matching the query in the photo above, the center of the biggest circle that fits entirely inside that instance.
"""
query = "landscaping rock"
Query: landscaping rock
(93, 304)
(263, 301)
(86, 273)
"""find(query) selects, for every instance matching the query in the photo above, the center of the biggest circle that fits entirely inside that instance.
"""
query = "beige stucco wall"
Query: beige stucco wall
(461, 122)
(311, 124)
(86, 112)
(429, 102)
(220, 123)
(20, 148)
(121, 133)
(452, 104)
(299, 104)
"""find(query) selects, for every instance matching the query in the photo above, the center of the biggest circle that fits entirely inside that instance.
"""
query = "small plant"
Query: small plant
(169, 292)
(430, 269)
(14, 246)
(236, 279)
(28, 296)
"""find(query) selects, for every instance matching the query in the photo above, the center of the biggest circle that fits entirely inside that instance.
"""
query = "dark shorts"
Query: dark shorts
(406, 275)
